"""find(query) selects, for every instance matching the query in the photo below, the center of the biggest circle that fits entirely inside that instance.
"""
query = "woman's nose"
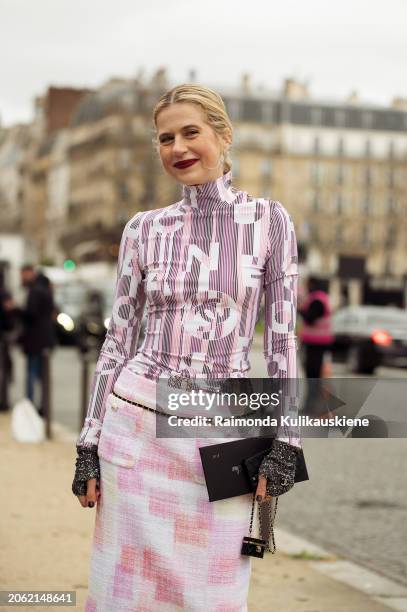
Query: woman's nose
(179, 146)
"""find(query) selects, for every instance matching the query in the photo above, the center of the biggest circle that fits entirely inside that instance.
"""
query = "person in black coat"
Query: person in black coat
(38, 325)
(7, 325)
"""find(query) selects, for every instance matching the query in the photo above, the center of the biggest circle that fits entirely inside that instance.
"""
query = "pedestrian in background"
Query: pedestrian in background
(316, 330)
(7, 325)
(38, 328)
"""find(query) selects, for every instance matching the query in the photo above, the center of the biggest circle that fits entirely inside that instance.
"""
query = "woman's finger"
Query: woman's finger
(91, 493)
(82, 500)
(261, 488)
(261, 491)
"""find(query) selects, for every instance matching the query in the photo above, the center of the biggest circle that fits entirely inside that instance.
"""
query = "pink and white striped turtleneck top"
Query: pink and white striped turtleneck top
(200, 266)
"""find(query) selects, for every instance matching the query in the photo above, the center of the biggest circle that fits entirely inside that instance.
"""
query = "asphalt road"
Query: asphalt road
(355, 501)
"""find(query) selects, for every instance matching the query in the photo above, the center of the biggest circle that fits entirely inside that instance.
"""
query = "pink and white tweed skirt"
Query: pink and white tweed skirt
(159, 544)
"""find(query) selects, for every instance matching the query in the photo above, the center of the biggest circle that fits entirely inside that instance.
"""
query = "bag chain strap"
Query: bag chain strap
(272, 516)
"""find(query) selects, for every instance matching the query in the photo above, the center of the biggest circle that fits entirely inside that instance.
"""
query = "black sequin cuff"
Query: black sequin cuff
(279, 468)
(87, 467)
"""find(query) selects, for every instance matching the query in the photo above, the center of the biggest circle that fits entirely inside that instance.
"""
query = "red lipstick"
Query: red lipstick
(186, 163)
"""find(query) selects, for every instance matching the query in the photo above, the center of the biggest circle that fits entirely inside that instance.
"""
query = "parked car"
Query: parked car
(68, 298)
(369, 336)
(95, 316)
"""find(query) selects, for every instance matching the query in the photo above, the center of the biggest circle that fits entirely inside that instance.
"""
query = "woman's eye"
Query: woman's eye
(167, 139)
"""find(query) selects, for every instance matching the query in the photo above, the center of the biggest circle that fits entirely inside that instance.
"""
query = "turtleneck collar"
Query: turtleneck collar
(211, 195)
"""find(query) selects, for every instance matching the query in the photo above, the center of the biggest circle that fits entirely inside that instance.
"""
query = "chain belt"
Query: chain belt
(124, 399)
(210, 419)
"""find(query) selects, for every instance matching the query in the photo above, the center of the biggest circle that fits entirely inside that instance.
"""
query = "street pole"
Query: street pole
(46, 403)
(84, 387)
(3, 376)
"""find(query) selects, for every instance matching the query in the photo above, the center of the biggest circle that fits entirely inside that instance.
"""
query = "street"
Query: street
(354, 503)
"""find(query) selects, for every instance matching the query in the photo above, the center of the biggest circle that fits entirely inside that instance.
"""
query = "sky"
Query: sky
(335, 47)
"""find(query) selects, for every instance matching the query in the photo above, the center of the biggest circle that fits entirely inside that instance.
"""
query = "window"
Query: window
(266, 168)
(316, 173)
(315, 201)
(341, 147)
(305, 229)
(123, 190)
(368, 148)
(367, 206)
(339, 203)
(367, 176)
(250, 110)
(340, 174)
(390, 237)
(267, 112)
(390, 178)
(367, 119)
(234, 109)
(339, 234)
(316, 116)
(365, 235)
(388, 265)
(312, 231)
(391, 205)
(317, 145)
(125, 159)
(340, 118)
(121, 216)
(391, 149)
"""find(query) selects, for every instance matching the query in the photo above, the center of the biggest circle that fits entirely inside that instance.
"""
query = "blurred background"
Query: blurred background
(318, 99)
(318, 104)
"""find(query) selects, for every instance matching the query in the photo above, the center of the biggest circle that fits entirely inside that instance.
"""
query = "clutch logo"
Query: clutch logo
(237, 469)
(216, 456)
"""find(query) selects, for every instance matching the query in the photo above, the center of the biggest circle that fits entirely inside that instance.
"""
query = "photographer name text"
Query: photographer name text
(267, 421)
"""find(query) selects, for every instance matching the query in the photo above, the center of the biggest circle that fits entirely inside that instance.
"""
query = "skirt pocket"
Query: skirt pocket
(117, 443)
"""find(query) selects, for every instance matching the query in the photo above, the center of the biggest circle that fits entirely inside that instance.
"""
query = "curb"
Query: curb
(380, 589)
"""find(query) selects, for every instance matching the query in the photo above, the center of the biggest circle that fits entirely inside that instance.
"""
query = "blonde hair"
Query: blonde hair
(209, 101)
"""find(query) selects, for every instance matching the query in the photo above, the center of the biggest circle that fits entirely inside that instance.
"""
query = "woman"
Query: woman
(201, 265)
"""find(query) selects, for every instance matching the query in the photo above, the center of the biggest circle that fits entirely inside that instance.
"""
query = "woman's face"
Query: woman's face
(184, 136)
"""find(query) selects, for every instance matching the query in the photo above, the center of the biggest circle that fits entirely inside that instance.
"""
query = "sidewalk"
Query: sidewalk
(46, 539)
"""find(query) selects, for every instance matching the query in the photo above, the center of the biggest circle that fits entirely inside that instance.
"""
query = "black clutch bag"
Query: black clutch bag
(230, 467)
(252, 465)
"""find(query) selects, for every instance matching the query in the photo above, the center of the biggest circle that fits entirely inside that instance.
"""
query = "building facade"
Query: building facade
(339, 169)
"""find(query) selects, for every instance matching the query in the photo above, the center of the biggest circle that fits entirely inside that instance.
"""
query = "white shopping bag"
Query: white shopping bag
(26, 423)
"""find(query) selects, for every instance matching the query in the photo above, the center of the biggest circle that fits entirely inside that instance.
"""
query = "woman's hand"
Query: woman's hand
(87, 476)
(92, 494)
(261, 490)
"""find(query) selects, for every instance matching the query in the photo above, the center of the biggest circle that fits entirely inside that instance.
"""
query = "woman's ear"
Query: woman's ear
(224, 141)
(227, 140)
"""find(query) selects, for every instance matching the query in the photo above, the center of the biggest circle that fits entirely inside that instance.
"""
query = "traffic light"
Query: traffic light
(69, 265)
